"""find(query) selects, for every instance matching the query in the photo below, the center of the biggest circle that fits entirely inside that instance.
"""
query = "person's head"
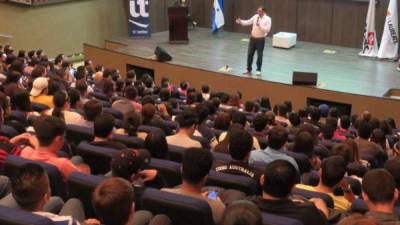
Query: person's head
(304, 143)
(188, 120)
(242, 213)
(92, 109)
(239, 117)
(164, 94)
(196, 164)
(315, 113)
(328, 130)
(261, 10)
(108, 88)
(345, 122)
(131, 93)
(379, 189)
(38, 71)
(184, 85)
(131, 74)
(39, 86)
(344, 150)
(82, 87)
(222, 121)
(202, 111)
(148, 99)
(50, 132)
(107, 73)
(132, 121)
(260, 122)
(249, 106)
(156, 143)
(61, 103)
(113, 201)
(74, 98)
(364, 130)
(379, 137)
(324, 109)
(205, 89)
(13, 77)
(279, 178)
(332, 171)
(104, 125)
(81, 73)
(30, 187)
(294, 119)
(240, 144)
(282, 110)
(20, 100)
(366, 116)
(277, 137)
(128, 163)
(393, 167)
(148, 112)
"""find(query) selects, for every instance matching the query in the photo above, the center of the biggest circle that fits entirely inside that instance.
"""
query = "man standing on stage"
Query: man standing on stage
(261, 27)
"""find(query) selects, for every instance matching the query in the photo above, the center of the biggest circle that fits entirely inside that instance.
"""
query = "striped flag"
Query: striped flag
(218, 19)
(390, 38)
(370, 44)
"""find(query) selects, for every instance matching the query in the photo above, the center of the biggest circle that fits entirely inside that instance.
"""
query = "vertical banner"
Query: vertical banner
(390, 38)
(370, 44)
(139, 18)
(218, 19)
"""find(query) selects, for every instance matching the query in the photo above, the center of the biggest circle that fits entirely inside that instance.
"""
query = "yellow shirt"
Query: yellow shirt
(339, 202)
(43, 99)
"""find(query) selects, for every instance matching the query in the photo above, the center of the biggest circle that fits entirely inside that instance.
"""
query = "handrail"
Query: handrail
(6, 36)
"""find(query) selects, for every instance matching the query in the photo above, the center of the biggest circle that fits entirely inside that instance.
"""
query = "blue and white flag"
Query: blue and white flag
(218, 19)
(139, 18)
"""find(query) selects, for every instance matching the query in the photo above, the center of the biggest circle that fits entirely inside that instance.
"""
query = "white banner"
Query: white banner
(370, 45)
(390, 38)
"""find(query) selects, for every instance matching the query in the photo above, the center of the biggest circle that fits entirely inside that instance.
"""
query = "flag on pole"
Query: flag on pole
(390, 38)
(218, 19)
(370, 45)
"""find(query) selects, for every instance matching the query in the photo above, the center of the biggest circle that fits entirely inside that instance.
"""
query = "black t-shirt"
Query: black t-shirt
(239, 168)
(306, 213)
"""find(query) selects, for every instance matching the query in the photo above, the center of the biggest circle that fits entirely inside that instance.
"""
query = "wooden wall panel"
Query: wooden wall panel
(314, 20)
(245, 10)
(284, 14)
(197, 12)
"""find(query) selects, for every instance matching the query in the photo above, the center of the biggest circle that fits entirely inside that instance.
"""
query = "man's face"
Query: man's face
(260, 12)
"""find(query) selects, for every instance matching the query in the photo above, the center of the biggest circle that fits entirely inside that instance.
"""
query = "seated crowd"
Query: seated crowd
(314, 165)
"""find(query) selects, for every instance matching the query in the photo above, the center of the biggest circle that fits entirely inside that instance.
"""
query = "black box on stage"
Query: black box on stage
(304, 78)
(162, 55)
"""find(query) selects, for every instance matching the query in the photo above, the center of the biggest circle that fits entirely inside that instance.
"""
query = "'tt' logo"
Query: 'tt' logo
(142, 8)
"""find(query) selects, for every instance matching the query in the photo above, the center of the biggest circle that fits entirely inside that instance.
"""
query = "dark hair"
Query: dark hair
(282, 110)
(74, 97)
(242, 213)
(184, 85)
(187, 118)
(280, 176)
(205, 89)
(393, 167)
(315, 113)
(379, 186)
(157, 145)
(92, 109)
(277, 137)
(131, 93)
(294, 119)
(202, 111)
(104, 125)
(29, 186)
(164, 94)
(345, 122)
(249, 106)
(328, 130)
(47, 128)
(81, 86)
(112, 200)
(107, 73)
(344, 150)
(260, 122)
(20, 100)
(222, 121)
(38, 71)
(304, 143)
(333, 171)
(379, 137)
(13, 77)
(80, 73)
(239, 117)
(131, 74)
(364, 130)
(148, 112)
(59, 100)
(196, 164)
(240, 144)
(108, 88)
(132, 121)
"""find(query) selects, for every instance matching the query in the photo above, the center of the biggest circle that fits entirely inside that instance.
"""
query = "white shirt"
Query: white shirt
(264, 27)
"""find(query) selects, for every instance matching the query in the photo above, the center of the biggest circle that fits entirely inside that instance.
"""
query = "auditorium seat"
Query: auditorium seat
(8, 131)
(129, 141)
(247, 185)
(271, 219)
(175, 153)
(18, 116)
(170, 171)
(301, 160)
(180, 209)
(38, 107)
(76, 134)
(205, 143)
(117, 114)
(98, 158)
(57, 184)
(10, 216)
(149, 129)
(312, 194)
(81, 186)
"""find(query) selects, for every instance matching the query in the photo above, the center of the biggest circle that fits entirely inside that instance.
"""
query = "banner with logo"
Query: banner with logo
(139, 18)
(370, 44)
(390, 38)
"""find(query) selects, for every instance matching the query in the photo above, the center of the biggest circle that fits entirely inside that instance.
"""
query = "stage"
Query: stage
(343, 71)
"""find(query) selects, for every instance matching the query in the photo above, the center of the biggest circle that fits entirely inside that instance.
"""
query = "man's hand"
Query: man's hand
(148, 175)
(31, 139)
(238, 21)
(92, 222)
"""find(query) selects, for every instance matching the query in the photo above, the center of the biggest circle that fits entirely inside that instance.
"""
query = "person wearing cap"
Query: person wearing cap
(39, 92)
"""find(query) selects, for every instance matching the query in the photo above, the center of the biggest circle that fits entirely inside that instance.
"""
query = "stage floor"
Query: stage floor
(343, 71)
